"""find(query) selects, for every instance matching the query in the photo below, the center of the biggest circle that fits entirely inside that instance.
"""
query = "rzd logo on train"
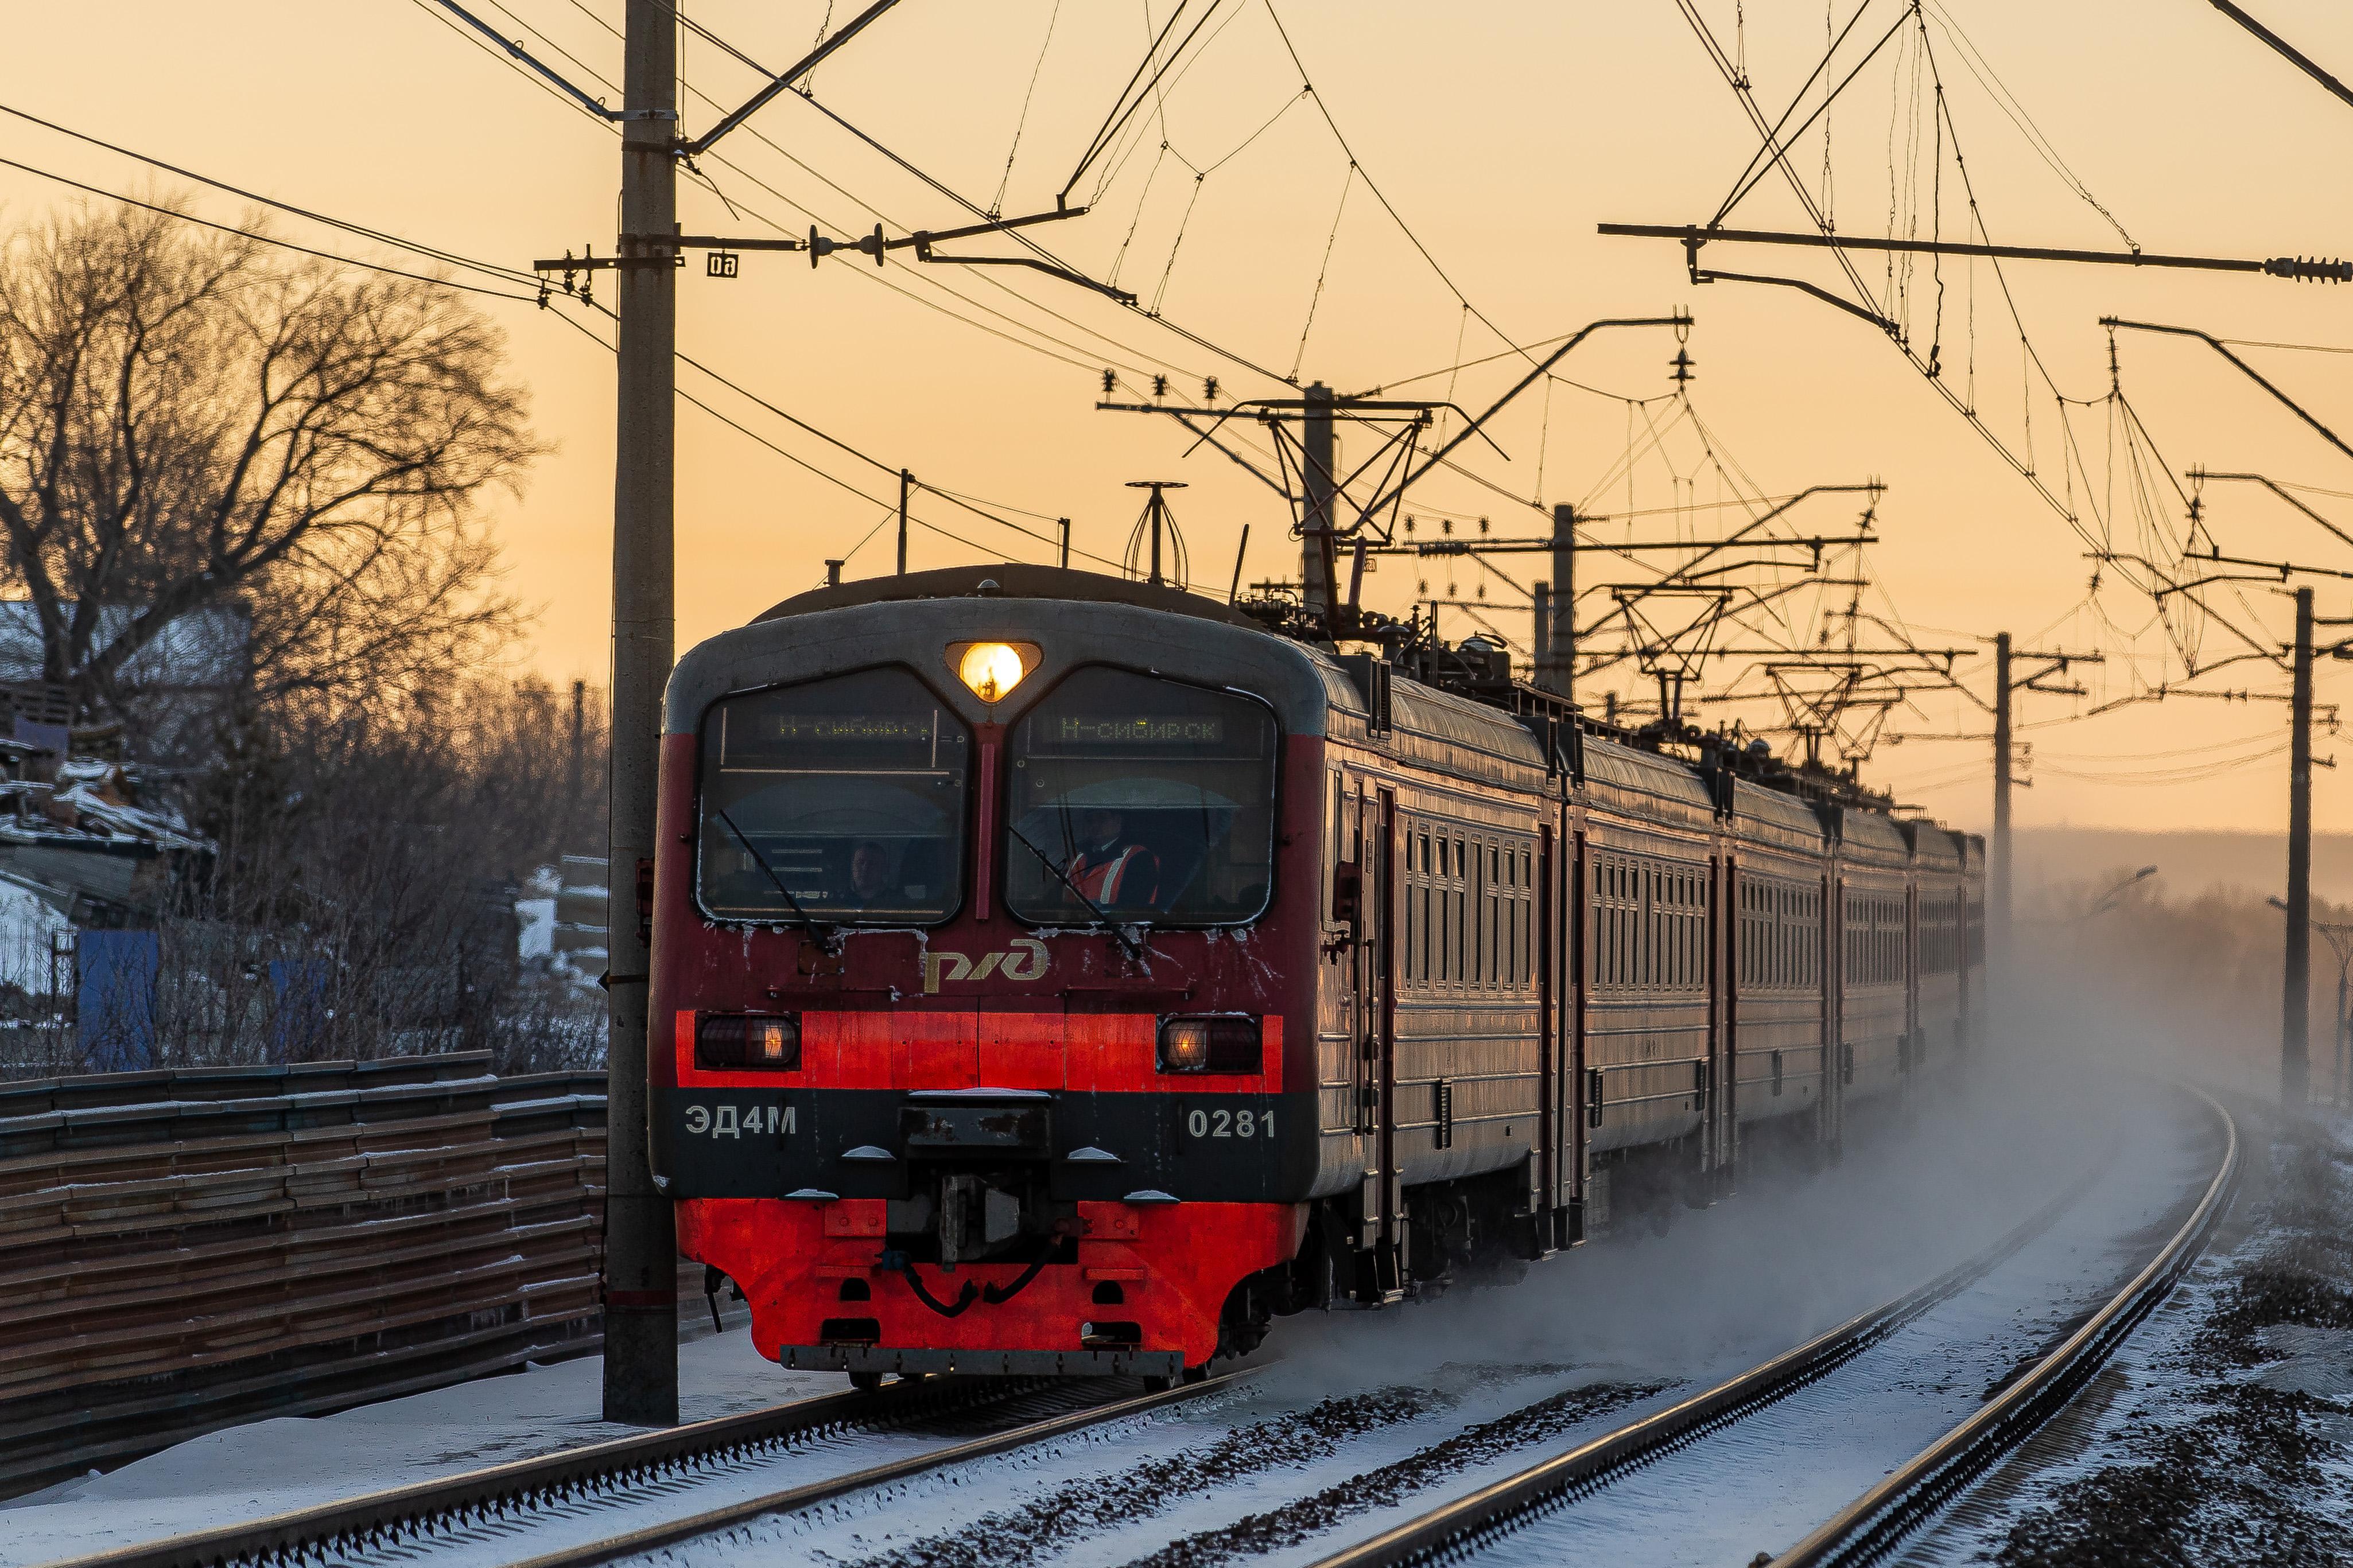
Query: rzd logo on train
(1026, 960)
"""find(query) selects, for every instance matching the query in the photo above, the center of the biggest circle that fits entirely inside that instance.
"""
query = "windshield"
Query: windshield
(849, 790)
(1154, 802)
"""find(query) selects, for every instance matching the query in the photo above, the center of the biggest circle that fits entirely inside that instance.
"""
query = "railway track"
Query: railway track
(412, 1519)
(1911, 1494)
(629, 1497)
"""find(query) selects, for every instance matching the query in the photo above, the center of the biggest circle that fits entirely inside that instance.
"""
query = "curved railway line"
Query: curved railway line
(1876, 1522)
(514, 1499)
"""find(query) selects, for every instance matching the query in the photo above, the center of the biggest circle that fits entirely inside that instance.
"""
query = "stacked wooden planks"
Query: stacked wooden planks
(183, 1250)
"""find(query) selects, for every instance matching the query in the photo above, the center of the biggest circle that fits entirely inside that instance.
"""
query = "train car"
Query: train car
(1781, 1040)
(1874, 877)
(1939, 1020)
(1059, 974)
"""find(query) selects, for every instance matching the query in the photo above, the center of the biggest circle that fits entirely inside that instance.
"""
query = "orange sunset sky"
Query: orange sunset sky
(1501, 133)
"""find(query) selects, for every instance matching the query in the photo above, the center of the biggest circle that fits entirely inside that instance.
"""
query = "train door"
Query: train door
(1724, 993)
(1382, 1276)
(1832, 937)
(1958, 940)
(1380, 1009)
(1575, 947)
(1915, 1041)
(1550, 1122)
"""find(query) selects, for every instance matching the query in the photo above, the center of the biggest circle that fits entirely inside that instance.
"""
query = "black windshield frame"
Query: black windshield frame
(958, 866)
(1011, 854)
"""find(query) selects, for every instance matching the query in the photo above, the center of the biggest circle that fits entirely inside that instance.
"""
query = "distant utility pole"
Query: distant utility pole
(1556, 633)
(641, 1226)
(1162, 531)
(1319, 449)
(2006, 684)
(2295, 996)
(1998, 870)
(1323, 488)
(576, 768)
(906, 482)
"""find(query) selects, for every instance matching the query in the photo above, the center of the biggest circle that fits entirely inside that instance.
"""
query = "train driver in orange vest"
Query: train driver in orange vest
(1110, 868)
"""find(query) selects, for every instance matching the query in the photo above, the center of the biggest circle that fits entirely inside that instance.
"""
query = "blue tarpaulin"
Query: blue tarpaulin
(115, 995)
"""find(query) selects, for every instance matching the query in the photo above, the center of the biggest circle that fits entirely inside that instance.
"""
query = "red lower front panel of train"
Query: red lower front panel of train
(943, 1190)
(1131, 1288)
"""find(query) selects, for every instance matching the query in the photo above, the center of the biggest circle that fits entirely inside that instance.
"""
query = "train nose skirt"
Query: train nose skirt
(987, 1363)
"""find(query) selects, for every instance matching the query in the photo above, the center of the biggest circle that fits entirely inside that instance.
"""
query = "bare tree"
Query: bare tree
(362, 899)
(195, 420)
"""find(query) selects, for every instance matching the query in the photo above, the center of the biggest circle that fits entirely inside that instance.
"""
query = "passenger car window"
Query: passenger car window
(1148, 798)
(847, 792)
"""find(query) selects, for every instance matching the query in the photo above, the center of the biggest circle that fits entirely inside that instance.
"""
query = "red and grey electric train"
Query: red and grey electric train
(1053, 974)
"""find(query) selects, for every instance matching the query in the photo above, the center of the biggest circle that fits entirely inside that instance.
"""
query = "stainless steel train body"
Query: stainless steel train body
(1490, 966)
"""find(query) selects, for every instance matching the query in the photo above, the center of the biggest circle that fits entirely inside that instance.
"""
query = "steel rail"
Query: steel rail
(1877, 1521)
(1447, 1530)
(1595, 1464)
(654, 1538)
(411, 1514)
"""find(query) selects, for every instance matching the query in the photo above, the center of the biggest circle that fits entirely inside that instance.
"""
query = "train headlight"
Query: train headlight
(1184, 1045)
(993, 668)
(734, 1042)
(1219, 1044)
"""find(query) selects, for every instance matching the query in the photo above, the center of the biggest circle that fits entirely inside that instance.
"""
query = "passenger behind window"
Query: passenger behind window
(870, 875)
(1113, 868)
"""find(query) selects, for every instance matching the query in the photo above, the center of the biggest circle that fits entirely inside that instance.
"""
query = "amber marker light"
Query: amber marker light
(993, 668)
(1184, 1045)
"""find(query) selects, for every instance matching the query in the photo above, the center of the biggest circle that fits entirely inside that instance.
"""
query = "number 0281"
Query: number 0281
(1224, 1123)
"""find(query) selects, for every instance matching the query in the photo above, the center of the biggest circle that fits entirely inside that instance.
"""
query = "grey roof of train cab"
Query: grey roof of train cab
(912, 620)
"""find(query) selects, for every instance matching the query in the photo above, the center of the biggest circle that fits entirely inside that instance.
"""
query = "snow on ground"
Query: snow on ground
(2222, 1432)
(269, 1467)
(1360, 1420)
(1598, 1331)
(1771, 1479)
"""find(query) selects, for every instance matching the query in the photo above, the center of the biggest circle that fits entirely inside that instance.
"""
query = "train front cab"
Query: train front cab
(923, 1108)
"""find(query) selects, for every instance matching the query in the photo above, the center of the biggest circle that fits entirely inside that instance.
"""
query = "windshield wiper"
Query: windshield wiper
(825, 934)
(1102, 920)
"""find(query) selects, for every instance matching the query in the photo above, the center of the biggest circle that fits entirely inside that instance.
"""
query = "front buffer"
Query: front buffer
(1131, 1288)
(1096, 1219)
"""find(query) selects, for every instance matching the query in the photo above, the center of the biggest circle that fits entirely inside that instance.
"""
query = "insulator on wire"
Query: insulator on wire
(1209, 389)
(1408, 522)
(2312, 270)
(1446, 525)
(1159, 386)
(1482, 525)
(1111, 382)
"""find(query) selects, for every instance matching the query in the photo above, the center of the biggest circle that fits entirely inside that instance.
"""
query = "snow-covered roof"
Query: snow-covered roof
(90, 805)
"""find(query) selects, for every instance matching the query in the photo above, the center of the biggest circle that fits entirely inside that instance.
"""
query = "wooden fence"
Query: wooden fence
(181, 1251)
